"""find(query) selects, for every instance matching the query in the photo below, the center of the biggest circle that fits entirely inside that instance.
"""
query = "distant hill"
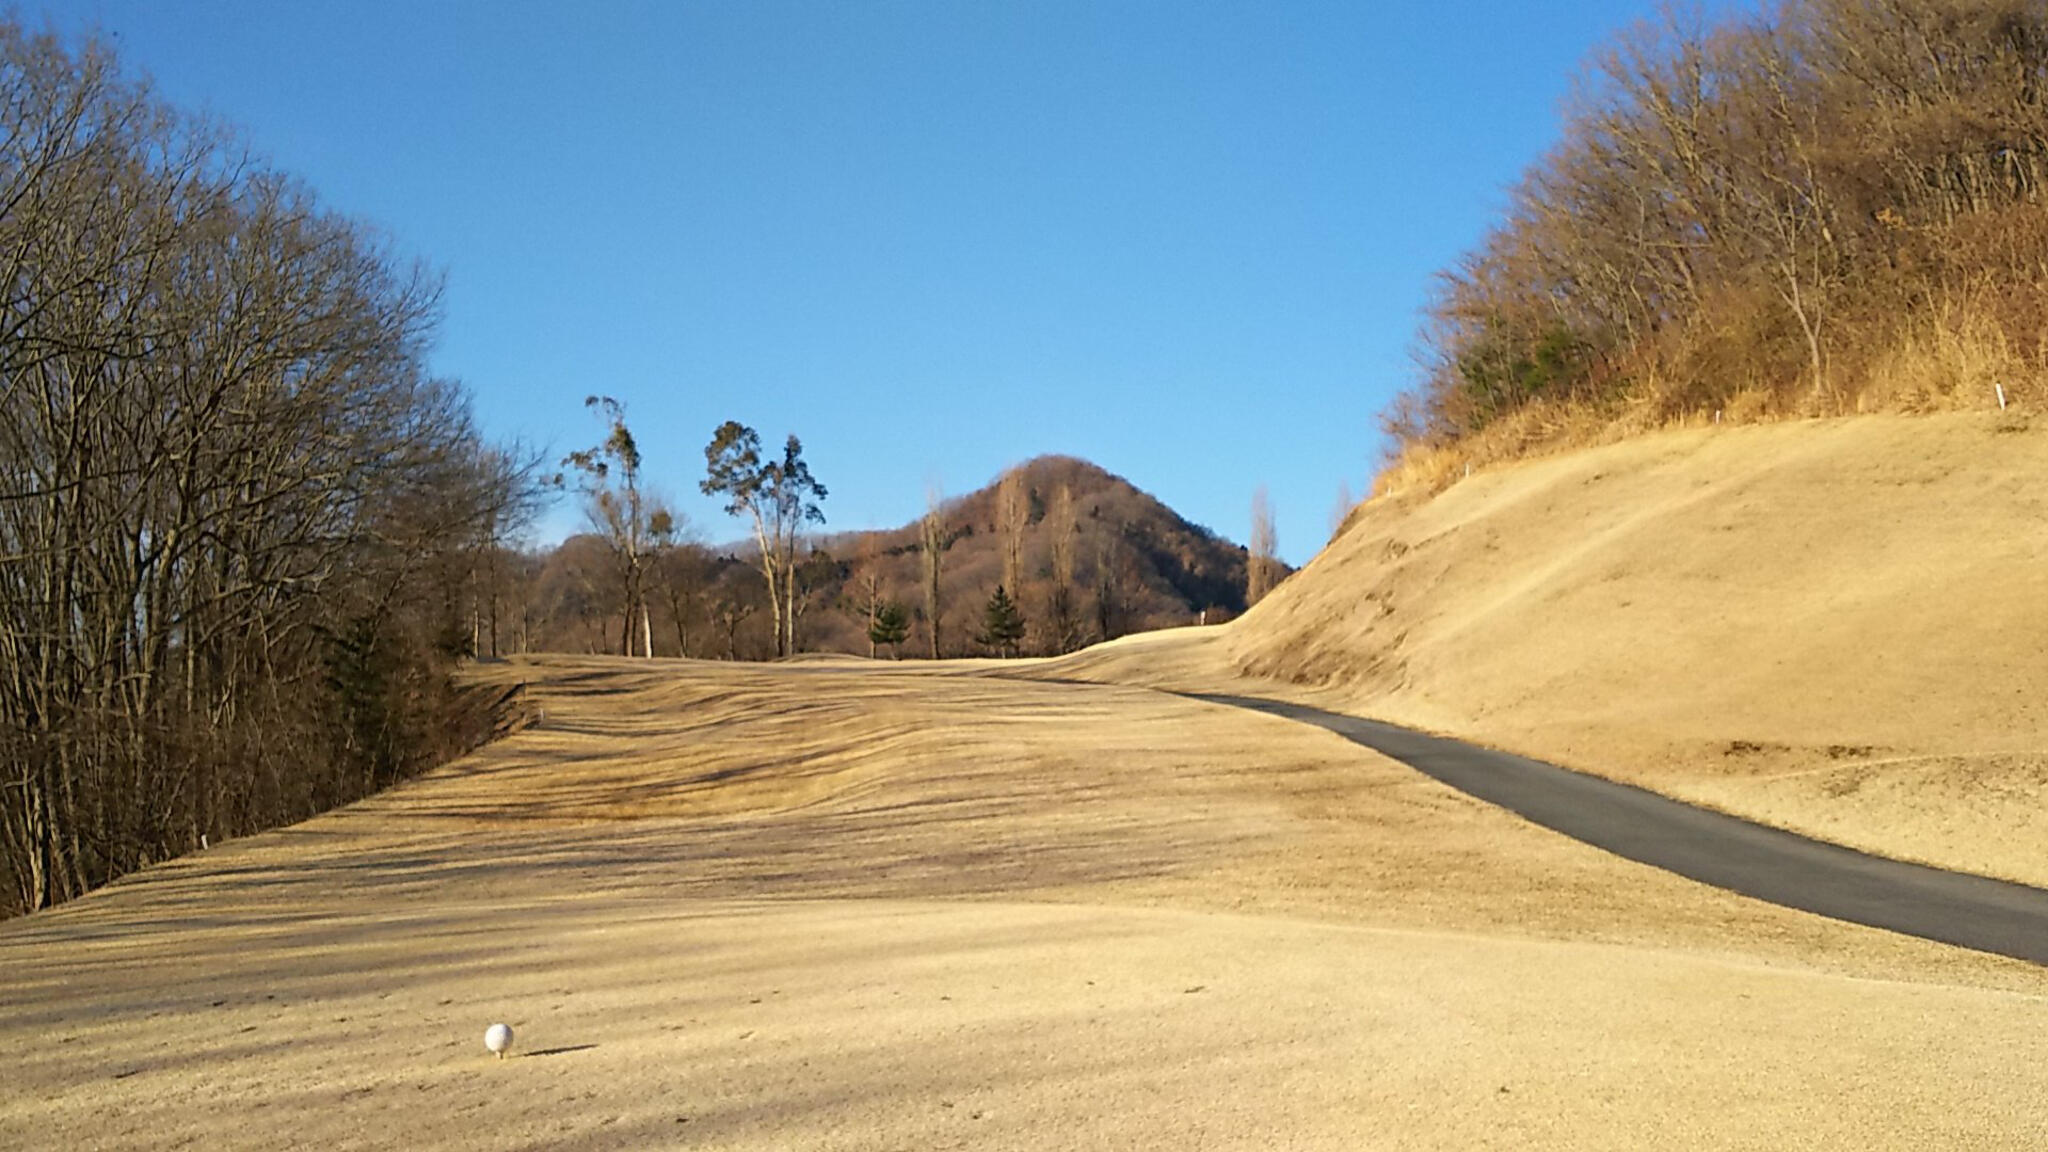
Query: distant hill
(1136, 565)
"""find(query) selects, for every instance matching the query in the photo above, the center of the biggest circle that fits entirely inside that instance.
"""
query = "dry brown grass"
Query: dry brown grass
(839, 905)
(1537, 428)
(1834, 626)
(1952, 359)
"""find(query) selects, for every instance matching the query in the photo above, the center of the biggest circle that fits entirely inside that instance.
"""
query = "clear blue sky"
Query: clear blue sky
(1186, 241)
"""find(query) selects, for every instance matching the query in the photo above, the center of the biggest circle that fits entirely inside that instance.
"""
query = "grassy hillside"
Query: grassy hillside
(1833, 626)
(1818, 207)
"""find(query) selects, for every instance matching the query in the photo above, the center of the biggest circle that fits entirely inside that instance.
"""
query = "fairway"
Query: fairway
(788, 577)
(835, 904)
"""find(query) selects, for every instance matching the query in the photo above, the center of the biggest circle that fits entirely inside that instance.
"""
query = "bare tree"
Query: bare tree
(241, 525)
(1011, 513)
(1113, 581)
(871, 588)
(1062, 530)
(1260, 571)
(622, 513)
(932, 544)
(809, 579)
(681, 570)
(574, 593)
(733, 603)
(1780, 197)
(780, 497)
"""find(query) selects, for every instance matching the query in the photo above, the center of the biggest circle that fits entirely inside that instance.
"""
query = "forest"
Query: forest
(238, 515)
(1832, 206)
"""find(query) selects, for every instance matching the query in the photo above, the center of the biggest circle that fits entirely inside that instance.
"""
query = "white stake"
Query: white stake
(2001, 396)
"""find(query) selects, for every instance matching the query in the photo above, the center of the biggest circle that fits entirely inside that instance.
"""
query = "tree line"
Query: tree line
(242, 528)
(1829, 203)
(1056, 554)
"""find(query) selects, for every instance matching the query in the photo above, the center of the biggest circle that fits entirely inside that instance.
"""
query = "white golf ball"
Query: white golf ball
(497, 1038)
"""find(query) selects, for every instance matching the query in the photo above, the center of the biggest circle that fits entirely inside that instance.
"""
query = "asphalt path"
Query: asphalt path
(1714, 848)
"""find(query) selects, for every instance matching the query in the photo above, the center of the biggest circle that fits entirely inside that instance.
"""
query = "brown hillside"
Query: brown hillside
(1837, 626)
(1163, 570)
(1138, 565)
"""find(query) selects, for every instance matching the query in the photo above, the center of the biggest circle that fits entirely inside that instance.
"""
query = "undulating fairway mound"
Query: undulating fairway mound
(854, 906)
(1839, 627)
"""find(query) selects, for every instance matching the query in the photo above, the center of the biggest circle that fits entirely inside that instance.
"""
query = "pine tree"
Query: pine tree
(1002, 623)
(891, 627)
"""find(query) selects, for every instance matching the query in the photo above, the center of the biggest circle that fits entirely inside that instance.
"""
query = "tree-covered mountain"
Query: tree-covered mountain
(1088, 554)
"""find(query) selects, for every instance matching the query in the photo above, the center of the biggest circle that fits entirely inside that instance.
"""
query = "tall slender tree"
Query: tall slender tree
(680, 573)
(870, 567)
(932, 542)
(1012, 499)
(1260, 570)
(623, 515)
(1062, 531)
(1112, 584)
(780, 497)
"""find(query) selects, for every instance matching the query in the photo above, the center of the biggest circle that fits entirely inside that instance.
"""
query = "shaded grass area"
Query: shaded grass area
(947, 910)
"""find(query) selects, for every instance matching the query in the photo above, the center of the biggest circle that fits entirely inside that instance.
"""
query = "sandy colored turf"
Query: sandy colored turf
(1838, 627)
(845, 906)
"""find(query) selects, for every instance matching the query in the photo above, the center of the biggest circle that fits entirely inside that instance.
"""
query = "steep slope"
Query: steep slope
(1833, 626)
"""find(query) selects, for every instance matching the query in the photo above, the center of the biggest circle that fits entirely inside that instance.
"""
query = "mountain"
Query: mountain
(1135, 565)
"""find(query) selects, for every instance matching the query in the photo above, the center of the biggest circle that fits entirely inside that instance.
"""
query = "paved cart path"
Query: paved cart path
(1728, 852)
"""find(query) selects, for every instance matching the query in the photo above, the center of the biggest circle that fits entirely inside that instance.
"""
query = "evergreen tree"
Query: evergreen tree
(891, 627)
(1002, 623)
